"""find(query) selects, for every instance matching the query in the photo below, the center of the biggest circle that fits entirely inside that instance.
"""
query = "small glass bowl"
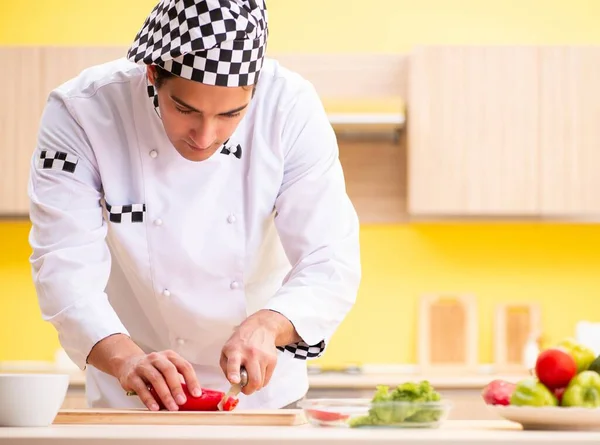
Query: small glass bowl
(363, 413)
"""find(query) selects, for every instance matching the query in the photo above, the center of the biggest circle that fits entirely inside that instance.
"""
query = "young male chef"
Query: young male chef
(189, 215)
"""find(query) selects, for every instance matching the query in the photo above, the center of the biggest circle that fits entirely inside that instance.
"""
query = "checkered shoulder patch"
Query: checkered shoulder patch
(130, 213)
(57, 160)
(303, 351)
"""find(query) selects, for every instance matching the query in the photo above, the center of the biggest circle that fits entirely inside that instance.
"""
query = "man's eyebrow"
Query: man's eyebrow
(235, 110)
(183, 104)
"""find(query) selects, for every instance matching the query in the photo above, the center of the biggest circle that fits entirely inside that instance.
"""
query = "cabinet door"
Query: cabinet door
(22, 104)
(473, 131)
(30, 73)
(570, 131)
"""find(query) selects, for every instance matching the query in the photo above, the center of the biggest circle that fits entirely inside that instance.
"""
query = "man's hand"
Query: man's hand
(120, 357)
(253, 345)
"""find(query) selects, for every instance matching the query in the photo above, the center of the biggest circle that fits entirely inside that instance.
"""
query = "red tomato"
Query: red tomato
(327, 416)
(555, 368)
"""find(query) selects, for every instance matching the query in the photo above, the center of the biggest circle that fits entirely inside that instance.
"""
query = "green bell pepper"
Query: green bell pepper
(583, 355)
(583, 390)
(531, 392)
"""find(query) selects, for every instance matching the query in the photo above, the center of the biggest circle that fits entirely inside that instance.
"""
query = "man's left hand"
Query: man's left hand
(253, 345)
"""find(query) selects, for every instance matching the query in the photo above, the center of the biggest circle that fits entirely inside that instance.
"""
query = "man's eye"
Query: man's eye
(182, 111)
(232, 114)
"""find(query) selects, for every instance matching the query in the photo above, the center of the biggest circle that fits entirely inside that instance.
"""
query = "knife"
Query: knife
(236, 388)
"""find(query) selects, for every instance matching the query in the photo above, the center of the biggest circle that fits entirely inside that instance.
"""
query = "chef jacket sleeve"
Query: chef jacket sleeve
(319, 230)
(70, 259)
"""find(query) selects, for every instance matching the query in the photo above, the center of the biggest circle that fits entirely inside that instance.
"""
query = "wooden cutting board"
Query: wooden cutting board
(277, 417)
(515, 323)
(448, 334)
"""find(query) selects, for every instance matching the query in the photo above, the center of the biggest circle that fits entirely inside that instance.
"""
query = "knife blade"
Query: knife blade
(235, 388)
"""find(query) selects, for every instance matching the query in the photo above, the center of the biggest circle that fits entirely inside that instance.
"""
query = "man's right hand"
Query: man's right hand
(120, 357)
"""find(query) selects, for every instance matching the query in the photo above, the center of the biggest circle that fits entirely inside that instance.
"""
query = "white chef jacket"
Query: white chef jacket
(130, 237)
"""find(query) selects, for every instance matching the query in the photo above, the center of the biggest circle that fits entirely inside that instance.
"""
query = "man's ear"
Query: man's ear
(151, 73)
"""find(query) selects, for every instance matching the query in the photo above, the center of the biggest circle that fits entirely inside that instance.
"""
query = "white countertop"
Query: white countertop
(452, 432)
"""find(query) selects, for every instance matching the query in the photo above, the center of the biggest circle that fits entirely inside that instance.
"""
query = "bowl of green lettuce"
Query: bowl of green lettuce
(408, 405)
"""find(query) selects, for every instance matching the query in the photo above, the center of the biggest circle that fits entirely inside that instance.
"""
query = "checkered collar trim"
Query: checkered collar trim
(153, 96)
(216, 42)
(228, 148)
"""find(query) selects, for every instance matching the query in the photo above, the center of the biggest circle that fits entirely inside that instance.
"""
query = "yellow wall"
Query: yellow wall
(23, 335)
(556, 265)
(324, 25)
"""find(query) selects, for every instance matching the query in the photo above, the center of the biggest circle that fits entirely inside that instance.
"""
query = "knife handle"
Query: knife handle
(243, 377)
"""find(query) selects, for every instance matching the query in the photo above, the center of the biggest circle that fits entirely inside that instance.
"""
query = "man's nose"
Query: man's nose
(204, 134)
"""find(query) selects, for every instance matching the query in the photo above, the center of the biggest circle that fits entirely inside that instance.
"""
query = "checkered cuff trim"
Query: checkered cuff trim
(303, 351)
(57, 160)
(132, 213)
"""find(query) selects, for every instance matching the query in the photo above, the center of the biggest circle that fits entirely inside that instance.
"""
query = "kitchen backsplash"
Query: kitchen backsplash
(553, 265)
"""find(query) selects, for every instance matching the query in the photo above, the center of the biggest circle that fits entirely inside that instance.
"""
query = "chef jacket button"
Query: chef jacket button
(180, 341)
(231, 219)
(234, 285)
(158, 222)
(166, 293)
(153, 154)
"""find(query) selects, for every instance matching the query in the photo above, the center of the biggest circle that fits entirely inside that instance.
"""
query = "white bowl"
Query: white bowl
(31, 399)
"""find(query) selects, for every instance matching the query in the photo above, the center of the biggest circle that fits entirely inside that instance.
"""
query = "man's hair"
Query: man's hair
(162, 75)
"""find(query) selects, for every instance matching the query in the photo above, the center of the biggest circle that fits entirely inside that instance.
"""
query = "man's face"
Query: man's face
(199, 118)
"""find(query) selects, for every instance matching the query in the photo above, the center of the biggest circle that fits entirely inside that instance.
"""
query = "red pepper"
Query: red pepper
(327, 416)
(230, 403)
(208, 401)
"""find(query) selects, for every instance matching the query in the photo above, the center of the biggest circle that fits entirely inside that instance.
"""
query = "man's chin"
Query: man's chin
(195, 155)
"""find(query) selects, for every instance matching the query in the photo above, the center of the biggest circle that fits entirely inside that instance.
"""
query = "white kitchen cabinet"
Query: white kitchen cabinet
(473, 131)
(570, 131)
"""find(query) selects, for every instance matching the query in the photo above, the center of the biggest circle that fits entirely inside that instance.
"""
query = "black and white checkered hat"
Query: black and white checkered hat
(216, 42)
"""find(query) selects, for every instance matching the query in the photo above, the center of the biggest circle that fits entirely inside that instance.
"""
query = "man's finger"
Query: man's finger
(263, 372)
(223, 363)
(156, 379)
(268, 373)
(270, 368)
(139, 386)
(171, 376)
(234, 363)
(189, 375)
(255, 376)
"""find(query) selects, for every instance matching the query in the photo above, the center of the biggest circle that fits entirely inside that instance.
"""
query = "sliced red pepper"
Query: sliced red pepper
(327, 416)
(208, 401)
(230, 403)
